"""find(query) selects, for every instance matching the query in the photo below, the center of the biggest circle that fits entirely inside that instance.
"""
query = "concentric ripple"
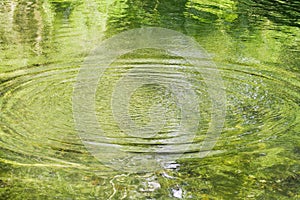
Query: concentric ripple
(156, 145)
(153, 106)
(262, 105)
(34, 113)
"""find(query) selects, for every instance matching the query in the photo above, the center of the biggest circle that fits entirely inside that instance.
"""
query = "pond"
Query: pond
(174, 99)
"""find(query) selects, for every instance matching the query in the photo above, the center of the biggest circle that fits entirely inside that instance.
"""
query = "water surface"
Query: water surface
(255, 46)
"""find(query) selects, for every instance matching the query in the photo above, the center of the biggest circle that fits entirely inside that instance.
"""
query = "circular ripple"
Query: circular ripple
(35, 109)
(146, 157)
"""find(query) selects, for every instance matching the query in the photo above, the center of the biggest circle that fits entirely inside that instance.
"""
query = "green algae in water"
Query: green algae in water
(255, 45)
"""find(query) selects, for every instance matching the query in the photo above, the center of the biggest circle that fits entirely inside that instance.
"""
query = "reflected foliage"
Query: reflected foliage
(255, 44)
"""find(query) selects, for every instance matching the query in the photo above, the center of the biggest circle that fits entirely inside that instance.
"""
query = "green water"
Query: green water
(255, 46)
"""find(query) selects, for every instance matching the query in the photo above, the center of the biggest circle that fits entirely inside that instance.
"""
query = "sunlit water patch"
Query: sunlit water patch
(173, 124)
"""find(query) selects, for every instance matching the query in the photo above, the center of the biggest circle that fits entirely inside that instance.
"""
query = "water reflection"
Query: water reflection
(254, 43)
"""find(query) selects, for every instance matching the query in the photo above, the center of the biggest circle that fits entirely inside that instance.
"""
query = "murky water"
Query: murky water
(156, 110)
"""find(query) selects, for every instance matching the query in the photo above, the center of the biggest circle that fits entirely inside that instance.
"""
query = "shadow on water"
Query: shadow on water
(254, 44)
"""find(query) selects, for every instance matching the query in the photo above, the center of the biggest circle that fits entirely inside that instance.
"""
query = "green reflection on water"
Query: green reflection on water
(255, 45)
